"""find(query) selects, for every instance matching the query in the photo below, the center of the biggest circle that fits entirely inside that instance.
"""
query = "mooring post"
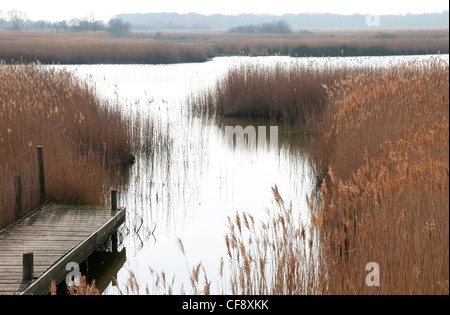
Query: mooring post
(114, 242)
(41, 173)
(113, 200)
(114, 238)
(28, 266)
(19, 205)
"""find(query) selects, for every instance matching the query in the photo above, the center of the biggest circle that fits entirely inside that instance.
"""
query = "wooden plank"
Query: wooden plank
(56, 235)
(42, 238)
(58, 272)
(49, 231)
(17, 265)
(14, 255)
(42, 248)
(46, 240)
(39, 260)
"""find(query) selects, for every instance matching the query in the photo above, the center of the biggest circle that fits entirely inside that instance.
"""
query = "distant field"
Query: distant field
(160, 47)
(94, 48)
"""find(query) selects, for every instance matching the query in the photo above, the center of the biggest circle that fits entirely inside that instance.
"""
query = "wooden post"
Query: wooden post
(113, 200)
(28, 266)
(114, 208)
(19, 209)
(114, 242)
(41, 173)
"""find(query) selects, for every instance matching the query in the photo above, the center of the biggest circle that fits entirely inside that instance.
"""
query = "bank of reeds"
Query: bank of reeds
(164, 47)
(384, 152)
(291, 92)
(84, 138)
(96, 48)
(329, 47)
(383, 144)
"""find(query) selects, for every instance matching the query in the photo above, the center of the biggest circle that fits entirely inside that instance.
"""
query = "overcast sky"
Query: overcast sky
(57, 10)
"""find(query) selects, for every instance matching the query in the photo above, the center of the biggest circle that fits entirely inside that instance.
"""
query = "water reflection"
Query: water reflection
(103, 265)
(189, 191)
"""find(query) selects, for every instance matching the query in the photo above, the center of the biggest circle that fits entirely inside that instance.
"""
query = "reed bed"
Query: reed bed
(96, 48)
(197, 46)
(385, 190)
(85, 139)
(293, 92)
(329, 47)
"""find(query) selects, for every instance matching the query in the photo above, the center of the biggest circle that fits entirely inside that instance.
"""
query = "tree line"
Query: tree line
(16, 20)
(280, 27)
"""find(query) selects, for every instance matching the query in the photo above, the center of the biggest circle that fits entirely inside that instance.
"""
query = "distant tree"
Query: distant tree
(60, 26)
(16, 20)
(281, 27)
(88, 24)
(38, 25)
(98, 26)
(2, 20)
(83, 26)
(386, 35)
(118, 28)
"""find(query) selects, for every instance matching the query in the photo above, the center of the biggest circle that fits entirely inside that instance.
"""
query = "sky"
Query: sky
(57, 10)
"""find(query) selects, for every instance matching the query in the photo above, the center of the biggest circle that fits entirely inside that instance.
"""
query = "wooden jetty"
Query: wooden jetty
(38, 248)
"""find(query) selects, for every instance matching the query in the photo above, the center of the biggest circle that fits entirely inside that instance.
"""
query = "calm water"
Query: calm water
(190, 191)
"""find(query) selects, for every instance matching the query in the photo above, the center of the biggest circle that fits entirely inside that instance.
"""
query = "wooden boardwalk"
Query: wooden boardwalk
(56, 235)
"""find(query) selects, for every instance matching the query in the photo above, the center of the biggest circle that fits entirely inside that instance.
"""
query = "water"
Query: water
(189, 193)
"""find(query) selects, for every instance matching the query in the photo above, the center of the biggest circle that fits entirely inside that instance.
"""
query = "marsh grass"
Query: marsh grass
(84, 288)
(96, 48)
(384, 195)
(329, 47)
(85, 139)
(293, 92)
(147, 47)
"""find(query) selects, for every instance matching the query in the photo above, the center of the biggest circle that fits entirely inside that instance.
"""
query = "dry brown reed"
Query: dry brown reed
(96, 47)
(83, 288)
(292, 92)
(384, 196)
(329, 47)
(83, 138)
(197, 46)
(273, 257)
